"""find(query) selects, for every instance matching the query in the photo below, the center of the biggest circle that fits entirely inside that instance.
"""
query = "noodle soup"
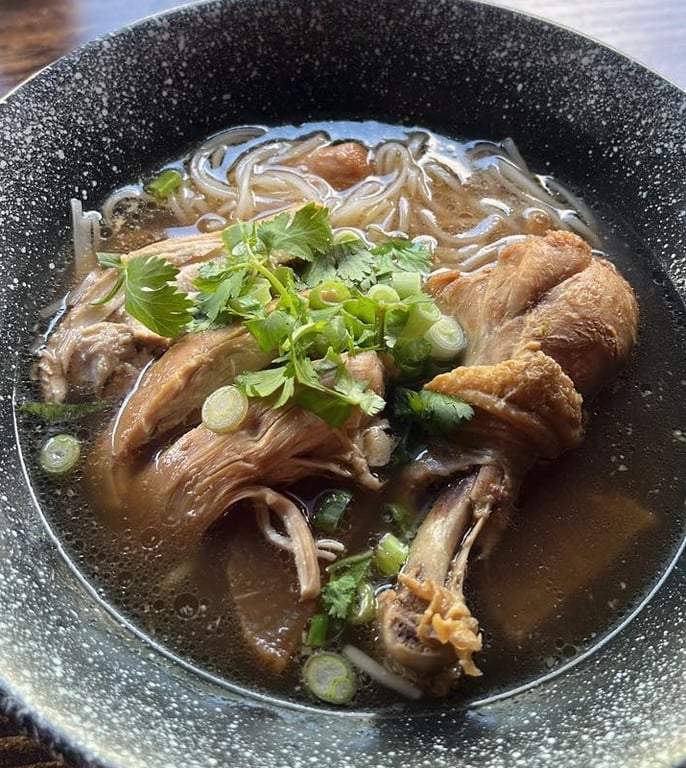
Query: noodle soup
(258, 547)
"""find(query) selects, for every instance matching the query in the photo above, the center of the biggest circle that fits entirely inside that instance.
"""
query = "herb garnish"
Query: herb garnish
(149, 293)
(339, 594)
(434, 412)
(55, 412)
(303, 293)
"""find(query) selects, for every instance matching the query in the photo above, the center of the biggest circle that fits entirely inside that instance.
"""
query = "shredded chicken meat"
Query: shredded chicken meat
(200, 475)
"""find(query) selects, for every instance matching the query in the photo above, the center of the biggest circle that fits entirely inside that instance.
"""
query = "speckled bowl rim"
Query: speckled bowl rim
(115, 719)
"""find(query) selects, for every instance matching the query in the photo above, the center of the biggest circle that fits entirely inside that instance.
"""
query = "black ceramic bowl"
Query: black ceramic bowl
(102, 115)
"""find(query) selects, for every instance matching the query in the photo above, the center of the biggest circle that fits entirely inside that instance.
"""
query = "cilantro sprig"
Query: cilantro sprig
(345, 576)
(272, 278)
(434, 412)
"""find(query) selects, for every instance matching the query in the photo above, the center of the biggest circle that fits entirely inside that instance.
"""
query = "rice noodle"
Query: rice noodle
(86, 232)
(380, 674)
(465, 196)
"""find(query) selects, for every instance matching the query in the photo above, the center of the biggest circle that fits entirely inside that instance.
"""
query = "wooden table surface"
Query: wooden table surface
(35, 32)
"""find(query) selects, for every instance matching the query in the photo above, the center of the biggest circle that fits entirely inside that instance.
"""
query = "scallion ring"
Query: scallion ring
(60, 454)
(422, 316)
(447, 339)
(383, 294)
(330, 677)
(407, 283)
(328, 294)
(225, 409)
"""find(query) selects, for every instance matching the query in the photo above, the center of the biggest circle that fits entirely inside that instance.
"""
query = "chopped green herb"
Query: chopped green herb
(51, 412)
(302, 236)
(407, 283)
(149, 293)
(405, 255)
(434, 412)
(108, 260)
(164, 184)
(319, 627)
(339, 594)
(261, 282)
(364, 607)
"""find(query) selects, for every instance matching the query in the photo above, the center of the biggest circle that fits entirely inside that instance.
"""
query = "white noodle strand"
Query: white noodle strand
(380, 674)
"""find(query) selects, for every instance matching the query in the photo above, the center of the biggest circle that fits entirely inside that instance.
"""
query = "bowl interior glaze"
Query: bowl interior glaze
(95, 119)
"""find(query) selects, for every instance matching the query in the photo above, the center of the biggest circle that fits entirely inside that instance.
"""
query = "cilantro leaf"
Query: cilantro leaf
(263, 383)
(241, 234)
(355, 264)
(149, 294)
(338, 595)
(435, 412)
(334, 411)
(212, 302)
(350, 261)
(406, 255)
(108, 260)
(321, 270)
(271, 331)
(151, 297)
(303, 235)
(356, 392)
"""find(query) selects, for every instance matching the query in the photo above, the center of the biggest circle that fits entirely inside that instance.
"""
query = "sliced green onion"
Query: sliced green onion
(447, 339)
(163, 185)
(319, 626)
(329, 293)
(383, 294)
(359, 559)
(398, 514)
(390, 554)
(394, 321)
(421, 317)
(407, 283)
(224, 410)
(60, 454)
(364, 608)
(330, 677)
(330, 509)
